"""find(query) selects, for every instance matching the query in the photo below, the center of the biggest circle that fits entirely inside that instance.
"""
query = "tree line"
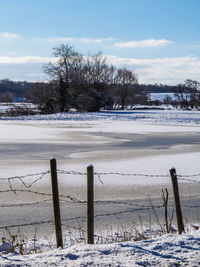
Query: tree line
(89, 83)
(86, 83)
(10, 89)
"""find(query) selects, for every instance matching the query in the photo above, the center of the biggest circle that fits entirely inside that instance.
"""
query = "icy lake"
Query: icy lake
(129, 142)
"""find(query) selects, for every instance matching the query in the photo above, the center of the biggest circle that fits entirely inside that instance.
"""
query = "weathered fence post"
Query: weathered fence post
(90, 204)
(165, 203)
(56, 204)
(177, 201)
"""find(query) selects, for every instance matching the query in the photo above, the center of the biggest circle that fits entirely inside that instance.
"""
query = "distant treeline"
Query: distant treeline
(187, 94)
(158, 88)
(10, 89)
(21, 88)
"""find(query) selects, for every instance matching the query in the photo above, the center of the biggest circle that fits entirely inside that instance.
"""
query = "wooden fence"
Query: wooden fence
(90, 202)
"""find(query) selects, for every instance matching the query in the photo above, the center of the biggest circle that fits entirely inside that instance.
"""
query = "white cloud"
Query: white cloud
(78, 40)
(33, 75)
(144, 43)
(163, 70)
(57, 39)
(10, 36)
(24, 60)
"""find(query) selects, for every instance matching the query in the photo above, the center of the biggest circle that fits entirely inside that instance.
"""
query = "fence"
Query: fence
(28, 185)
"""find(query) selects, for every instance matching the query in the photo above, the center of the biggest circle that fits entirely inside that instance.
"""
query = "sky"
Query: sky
(159, 40)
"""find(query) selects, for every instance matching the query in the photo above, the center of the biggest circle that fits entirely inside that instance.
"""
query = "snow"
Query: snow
(86, 128)
(167, 250)
(174, 117)
(4, 107)
(161, 96)
(5, 247)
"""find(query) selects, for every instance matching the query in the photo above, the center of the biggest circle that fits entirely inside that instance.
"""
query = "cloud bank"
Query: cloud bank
(78, 40)
(24, 60)
(159, 70)
(10, 36)
(144, 43)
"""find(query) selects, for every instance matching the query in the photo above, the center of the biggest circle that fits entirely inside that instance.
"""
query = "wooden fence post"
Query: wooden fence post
(165, 203)
(90, 204)
(177, 201)
(56, 204)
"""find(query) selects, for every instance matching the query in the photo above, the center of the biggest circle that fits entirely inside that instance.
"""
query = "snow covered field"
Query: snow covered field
(166, 116)
(148, 142)
(168, 250)
(4, 107)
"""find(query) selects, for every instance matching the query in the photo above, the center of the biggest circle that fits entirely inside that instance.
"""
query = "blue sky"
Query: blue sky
(157, 39)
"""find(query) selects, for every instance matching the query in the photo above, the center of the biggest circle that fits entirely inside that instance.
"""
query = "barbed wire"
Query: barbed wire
(21, 179)
(113, 173)
(104, 202)
(8, 205)
(189, 180)
(24, 176)
(131, 174)
(190, 206)
(72, 199)
(99, 174)
(39, 222)
(126, 174)
(71, 172)
(189, 175)
(26, 224)
(96, 216)
(74, 218)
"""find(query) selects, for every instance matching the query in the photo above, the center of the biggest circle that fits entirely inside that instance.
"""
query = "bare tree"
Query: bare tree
(124, 80)
(44, 95)
(182, 94)
(194, 92)
(99, 76)
(6, 97)
(97, 69)
(188, 94)
(92, 79)
(63, 70)
(78, 78)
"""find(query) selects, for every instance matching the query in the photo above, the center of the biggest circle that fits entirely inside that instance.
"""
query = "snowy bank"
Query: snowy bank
(173, 117)
(168, 250)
